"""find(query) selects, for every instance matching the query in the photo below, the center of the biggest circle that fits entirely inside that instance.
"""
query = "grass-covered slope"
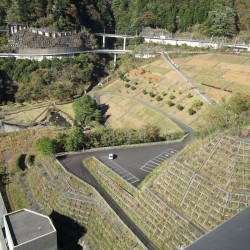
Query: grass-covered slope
(192, 194)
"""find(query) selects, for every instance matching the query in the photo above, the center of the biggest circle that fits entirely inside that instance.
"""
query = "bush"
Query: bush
(127, 85)
(197, 104)
(122, 76)
(170, 103)
(133, 88)
(45, 146)
(191, 111)
(179, 107)
(164, 93)
(189, 95)
(171, 97)
(230, 114)
(180, 92)
(144, 92)
(158, 98)
(152, 94)
(136, 83)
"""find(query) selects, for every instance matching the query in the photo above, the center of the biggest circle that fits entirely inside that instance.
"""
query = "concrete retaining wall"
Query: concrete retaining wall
(190, 43)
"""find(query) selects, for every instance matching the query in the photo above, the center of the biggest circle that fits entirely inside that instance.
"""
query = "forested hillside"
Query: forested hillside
(210, 17)
(26, 80)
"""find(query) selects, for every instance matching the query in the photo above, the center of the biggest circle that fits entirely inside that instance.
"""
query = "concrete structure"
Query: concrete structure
(28, 230)
(233, 234)
(104, 35)
(162, 39)
(48, 33)
(15, 27)
(2, 212)
(43, 54)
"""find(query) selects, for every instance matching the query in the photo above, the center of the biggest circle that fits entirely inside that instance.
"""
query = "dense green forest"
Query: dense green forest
(210, 17)
(26, 80)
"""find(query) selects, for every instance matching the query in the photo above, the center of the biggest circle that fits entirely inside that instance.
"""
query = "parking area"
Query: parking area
(156, 161)
(113, 165)
(132, 164)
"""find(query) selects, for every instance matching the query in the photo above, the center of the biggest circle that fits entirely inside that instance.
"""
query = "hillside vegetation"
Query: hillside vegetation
(212, 18)
(192, 194)
(27, 80)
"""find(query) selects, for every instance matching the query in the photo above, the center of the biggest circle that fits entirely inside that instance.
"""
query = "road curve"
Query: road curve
(75, 166)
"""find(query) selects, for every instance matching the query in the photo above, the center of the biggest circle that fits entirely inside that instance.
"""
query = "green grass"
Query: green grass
(67, 108)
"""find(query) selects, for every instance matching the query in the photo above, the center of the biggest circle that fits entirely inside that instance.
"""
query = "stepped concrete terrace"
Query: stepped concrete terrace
(191, 195)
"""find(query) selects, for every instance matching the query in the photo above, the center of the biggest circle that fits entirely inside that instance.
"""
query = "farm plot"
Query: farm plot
(128, 113)
(158, 85)
(27, 117)
(229, 72)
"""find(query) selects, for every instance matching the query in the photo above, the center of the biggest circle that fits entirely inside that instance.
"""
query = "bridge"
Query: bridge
(40, 56)
(104, 35)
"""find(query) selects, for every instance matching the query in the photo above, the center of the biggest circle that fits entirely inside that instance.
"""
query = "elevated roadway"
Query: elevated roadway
(40, 56)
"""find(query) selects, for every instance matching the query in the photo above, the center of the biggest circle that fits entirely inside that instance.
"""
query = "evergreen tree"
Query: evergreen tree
(74, 140)
(86, 109)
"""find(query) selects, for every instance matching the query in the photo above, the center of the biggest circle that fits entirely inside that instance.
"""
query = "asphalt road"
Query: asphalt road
(131, 160)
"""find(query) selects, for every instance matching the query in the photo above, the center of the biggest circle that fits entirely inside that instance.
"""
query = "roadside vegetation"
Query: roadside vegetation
(231, 114)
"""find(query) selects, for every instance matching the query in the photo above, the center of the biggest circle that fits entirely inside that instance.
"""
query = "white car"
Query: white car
(111, 156)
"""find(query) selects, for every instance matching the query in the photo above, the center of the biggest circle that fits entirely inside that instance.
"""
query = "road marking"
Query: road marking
(123, 173)
(156, 161)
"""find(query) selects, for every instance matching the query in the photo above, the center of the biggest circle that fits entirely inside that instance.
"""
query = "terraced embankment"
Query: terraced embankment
(191, 195)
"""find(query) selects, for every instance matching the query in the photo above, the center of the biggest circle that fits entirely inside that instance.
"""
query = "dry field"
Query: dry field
(27, 117)
(126, 113)
(231, 72)
(159, 78)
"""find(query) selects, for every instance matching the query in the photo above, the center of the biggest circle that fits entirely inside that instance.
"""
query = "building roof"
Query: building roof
(25, 225)
(233, 234)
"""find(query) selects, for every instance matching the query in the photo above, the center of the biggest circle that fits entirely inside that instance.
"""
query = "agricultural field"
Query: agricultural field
(231, 72)
(124, 112)
(156, 84)
(27, 117)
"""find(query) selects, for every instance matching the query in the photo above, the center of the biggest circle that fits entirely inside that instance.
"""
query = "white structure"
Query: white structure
(28, 230)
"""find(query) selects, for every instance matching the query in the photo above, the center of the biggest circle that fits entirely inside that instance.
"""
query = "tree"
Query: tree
(191, 111)
(221, 21)
(7, 87)
(74, 141)
(45, 146)
(197, 104)
(86, 108)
